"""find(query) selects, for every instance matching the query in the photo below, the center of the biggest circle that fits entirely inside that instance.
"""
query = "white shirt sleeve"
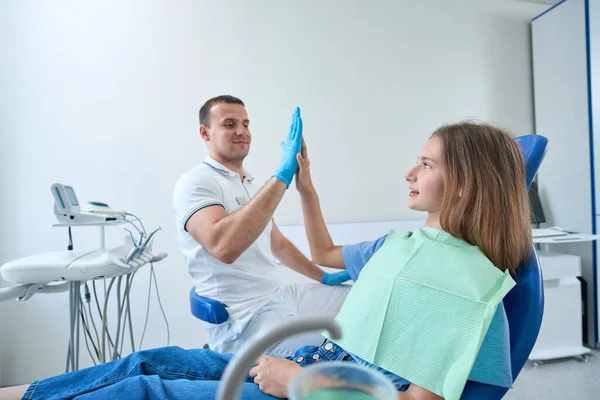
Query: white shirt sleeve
(193, 192)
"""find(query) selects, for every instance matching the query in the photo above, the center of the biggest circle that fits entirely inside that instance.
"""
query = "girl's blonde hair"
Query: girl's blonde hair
(485, 200)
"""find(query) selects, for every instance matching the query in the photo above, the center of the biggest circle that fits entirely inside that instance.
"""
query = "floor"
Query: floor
(562, 379)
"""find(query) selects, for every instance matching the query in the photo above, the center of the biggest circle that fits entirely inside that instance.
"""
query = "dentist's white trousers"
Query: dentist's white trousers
(290, 301)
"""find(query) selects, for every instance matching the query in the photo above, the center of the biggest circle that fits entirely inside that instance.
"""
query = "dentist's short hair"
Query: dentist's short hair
(204, 113)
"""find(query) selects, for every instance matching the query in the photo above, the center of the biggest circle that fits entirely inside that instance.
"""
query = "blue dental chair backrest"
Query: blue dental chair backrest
(524, 304)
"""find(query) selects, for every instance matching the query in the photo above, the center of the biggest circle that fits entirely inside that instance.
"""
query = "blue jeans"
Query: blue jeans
(166, 373)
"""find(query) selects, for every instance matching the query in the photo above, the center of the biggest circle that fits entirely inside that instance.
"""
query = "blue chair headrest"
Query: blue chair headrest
(534, 149)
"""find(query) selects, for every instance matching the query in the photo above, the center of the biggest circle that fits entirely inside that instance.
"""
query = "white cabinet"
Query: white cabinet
(561, 331)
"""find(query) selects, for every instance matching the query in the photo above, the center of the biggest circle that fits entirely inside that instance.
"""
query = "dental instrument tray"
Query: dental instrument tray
(73, 265)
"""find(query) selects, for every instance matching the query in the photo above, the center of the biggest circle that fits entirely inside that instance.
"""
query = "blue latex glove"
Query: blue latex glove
(291, 147)
(336, 278)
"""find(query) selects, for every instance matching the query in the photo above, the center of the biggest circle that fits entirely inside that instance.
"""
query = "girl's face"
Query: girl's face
(425, 180)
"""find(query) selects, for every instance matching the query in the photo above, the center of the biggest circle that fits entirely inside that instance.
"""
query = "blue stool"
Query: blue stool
(207, 309)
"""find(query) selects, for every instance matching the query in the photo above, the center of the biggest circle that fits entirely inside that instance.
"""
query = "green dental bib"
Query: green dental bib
(421, 308)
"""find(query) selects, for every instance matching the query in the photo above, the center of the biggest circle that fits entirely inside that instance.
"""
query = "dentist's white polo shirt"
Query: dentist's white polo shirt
(248, 282)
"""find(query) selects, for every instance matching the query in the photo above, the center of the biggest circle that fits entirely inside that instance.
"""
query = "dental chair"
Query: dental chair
(524, 304)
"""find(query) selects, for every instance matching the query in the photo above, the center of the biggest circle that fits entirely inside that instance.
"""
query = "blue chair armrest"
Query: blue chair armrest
(207, 309)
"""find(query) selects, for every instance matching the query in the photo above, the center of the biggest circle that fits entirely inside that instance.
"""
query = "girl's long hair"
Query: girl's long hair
(485, 200)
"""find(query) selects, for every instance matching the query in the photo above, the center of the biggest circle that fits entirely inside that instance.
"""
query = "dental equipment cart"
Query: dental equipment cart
(67, 270)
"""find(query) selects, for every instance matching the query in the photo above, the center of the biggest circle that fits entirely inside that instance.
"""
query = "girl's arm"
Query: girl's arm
(322, 249)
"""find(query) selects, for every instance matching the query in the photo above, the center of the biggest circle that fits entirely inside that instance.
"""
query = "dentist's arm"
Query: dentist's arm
(227, 236)
(322, 249)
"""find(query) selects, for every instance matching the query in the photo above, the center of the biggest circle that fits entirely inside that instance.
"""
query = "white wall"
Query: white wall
(105, 96)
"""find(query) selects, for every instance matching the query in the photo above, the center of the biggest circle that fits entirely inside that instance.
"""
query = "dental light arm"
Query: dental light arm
(237, 370)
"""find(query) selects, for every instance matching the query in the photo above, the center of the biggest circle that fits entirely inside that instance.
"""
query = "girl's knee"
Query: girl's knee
(170, 354)
(203, 364)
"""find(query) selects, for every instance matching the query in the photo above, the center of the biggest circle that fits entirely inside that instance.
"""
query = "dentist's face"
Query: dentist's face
(228, 135)
(425, 180)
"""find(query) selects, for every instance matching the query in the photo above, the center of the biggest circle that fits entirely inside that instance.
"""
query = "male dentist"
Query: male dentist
(228, 238)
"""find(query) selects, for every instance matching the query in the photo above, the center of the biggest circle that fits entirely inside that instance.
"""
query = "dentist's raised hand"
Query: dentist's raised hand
(291, 148)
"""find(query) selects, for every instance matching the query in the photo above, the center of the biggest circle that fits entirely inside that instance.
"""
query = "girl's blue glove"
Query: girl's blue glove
(291, 147)
(335, 278)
